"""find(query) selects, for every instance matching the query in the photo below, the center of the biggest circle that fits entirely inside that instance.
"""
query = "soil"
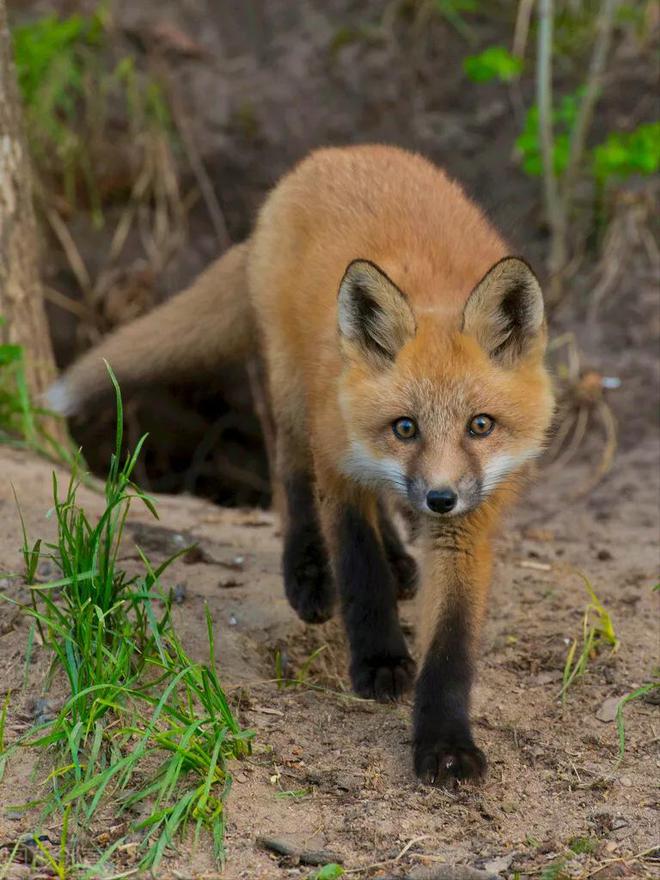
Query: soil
(554, 774)
(284, 80)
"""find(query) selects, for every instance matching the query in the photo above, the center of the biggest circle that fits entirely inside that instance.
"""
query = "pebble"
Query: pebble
(607, 711)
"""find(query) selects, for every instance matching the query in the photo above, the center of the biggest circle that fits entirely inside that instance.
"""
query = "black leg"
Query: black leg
(307, 578)
(402, 563)
(443, 748)
(381, 666)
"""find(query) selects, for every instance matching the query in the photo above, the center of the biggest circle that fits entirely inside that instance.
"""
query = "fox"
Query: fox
(403, 348)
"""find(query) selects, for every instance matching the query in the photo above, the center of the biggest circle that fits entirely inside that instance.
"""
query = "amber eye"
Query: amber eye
(481, 425)
(404, 428)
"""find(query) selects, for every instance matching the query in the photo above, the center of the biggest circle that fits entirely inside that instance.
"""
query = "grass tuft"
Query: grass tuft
(597, 632)
(143, 726)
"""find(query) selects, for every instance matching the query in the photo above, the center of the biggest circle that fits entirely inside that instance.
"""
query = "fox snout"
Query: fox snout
(444, 497)
(441, 500)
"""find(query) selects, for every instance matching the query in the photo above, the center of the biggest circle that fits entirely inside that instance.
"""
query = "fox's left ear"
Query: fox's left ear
(504, 312)
(374, 317)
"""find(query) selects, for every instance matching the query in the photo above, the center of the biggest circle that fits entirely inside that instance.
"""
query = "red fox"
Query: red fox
(404, 355)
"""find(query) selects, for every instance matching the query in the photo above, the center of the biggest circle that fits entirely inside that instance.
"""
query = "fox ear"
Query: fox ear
(373, 314)
(504, 312)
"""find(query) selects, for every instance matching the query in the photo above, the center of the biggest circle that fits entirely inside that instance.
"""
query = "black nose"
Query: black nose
(441, 500)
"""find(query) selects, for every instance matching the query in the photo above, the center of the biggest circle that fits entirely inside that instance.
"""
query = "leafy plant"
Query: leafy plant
(528, 142)
(597, 633)
(19, 418)
(16, 413)
(142, 722)
(331, 871)
(496, 62)
(73, 92)
(623, 154)
(53, 47)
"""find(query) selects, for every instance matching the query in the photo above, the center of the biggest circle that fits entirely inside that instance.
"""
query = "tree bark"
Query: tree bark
(21, 293)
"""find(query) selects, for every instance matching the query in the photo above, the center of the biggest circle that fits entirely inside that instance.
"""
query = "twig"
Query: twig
(305, 857)
(69, 247)
(197, 166)
(521, 31)
(553, 205)
(604, 27)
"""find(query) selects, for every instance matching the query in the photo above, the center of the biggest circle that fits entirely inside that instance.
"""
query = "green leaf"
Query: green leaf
(528, 141)
(496, 62)
(10, 354)
(328, 872)
(623, 154)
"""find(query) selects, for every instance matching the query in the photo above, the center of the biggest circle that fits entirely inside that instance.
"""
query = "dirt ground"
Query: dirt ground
(553, 770)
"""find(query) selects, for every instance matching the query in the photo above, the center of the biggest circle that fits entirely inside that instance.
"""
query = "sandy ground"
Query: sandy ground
(553, 770)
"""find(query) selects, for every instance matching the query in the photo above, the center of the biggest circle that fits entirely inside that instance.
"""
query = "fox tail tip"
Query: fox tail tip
(60, 399)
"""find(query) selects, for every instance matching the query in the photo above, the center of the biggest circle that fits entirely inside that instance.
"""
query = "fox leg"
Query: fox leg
(307, 577)
(401, 562)
(380, 664)
(454, 587)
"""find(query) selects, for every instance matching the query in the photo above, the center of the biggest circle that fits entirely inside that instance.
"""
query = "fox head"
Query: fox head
(442, 409)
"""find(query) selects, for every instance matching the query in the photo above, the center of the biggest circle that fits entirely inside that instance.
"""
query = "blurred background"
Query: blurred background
(156, 128)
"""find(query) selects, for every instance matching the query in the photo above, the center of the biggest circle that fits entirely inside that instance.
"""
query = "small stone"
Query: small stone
(626, 781)
(604, 555)
(499, 864)
(607, 712)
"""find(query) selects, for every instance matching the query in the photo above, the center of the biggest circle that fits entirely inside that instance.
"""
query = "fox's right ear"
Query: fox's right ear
(373, 314)
(505, 311)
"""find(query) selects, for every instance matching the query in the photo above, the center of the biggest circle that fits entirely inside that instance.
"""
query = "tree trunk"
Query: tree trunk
(21, 294)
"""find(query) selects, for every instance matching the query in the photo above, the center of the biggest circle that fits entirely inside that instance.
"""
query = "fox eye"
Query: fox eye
(404, 428)
(481, 425)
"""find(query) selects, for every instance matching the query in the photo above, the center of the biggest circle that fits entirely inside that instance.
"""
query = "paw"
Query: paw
(447, 762)
(308, 582)
(406, 575)
(314, 604)
(383, 678)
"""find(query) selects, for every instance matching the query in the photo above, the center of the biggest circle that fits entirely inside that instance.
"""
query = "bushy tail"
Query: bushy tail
(203, 326)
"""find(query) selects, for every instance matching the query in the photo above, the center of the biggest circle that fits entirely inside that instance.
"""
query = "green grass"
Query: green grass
(19, 418)
(302, 676)
(597, 634)
(583, 844)
(142, 725)
(637, 694)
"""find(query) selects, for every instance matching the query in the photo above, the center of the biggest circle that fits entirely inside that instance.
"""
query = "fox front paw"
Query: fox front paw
(446, 762)
(384, 678)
